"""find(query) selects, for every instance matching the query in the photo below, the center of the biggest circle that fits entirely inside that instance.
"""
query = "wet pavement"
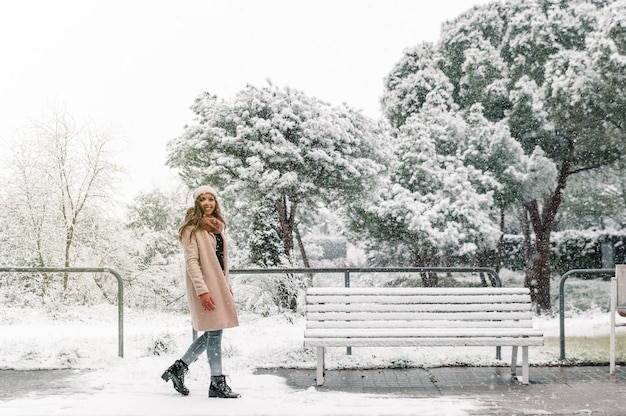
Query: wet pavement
(15, 383)
(570, 390)
(567, 390)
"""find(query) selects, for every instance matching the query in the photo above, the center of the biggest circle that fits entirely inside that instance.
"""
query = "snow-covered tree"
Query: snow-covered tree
(553, 71)
(278, 145)
(57, 192)
(262, 234)
(154, 217)
(595, 200)
(411, 81)
(436, 201)
(275, 153)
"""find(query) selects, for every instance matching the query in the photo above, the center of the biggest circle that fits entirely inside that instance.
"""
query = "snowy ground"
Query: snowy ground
(85, 340)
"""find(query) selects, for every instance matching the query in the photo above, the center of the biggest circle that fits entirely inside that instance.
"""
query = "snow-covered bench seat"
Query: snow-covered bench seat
(421, 317)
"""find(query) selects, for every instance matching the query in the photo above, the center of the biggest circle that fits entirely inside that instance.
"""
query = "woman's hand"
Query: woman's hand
(208, 304)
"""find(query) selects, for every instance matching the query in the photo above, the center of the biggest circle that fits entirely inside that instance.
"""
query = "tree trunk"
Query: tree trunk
(66, 263)
(286, 217)
(287, 295)
(483, 261)
(500, 252)
(527, 248)
(305, 259)
(429, 279)
(538, 275)
(46, 280)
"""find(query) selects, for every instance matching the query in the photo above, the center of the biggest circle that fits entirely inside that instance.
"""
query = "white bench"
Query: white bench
(420, 317)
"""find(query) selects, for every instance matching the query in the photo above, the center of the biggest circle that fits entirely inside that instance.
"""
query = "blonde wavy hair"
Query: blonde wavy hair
(194, 215)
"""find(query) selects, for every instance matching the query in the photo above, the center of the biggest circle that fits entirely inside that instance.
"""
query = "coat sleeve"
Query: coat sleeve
(226, 265)
(192, 262)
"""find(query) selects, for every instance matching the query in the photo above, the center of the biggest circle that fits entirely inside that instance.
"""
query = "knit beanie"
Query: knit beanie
(204, 189)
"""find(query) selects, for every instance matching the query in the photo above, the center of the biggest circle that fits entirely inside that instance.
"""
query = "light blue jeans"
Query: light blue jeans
(211, 342)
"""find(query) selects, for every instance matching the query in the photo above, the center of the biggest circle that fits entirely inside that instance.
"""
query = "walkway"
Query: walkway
(571, 390)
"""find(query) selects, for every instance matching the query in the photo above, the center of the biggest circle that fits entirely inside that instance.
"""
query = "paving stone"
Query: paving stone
(568, 390)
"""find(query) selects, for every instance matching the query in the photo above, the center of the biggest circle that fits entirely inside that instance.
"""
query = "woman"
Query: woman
(209, 291)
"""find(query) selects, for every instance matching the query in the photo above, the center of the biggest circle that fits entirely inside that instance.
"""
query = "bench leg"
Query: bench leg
(525, 375)
(320, 366)
(514, 361)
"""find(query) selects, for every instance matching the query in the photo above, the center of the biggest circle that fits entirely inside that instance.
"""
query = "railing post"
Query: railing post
(346, 282)
(613, 311)
(120, 290)
(562, 300)
(618, 304)
(120, 312)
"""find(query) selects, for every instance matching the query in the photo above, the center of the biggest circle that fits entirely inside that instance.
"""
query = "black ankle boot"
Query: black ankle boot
(176, 373)
(219, 388)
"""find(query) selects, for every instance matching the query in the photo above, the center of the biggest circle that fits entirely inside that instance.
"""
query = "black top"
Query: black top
(219, 249)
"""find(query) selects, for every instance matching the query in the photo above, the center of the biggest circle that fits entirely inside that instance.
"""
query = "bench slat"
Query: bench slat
(418, 307)
(423, 342)
(427, 323)
(425, 298)
(420, 333)
(409, 291)
(413, 316)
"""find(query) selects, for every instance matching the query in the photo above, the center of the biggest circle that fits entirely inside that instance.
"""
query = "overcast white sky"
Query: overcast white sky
(137, 65)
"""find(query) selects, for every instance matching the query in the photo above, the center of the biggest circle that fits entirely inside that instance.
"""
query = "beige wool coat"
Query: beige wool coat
(204, 274)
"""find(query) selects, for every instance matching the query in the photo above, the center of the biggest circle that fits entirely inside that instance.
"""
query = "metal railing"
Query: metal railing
(120, 289)
(494, 277)
(346, 271)
(564, 278)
